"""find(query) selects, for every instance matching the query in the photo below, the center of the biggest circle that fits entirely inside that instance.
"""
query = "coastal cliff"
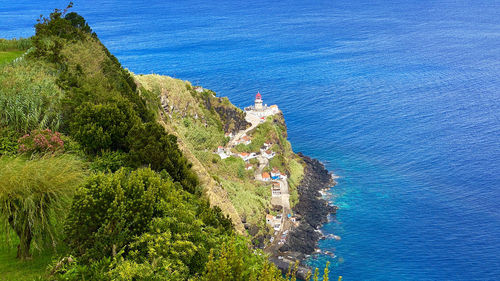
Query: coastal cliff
(313, 209)
(149, 151)
(204, 124)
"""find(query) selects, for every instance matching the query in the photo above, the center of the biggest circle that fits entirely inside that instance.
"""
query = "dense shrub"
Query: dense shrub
(143, 220)
(234, 260)
(150, 145)
(109, 161)
(110, 209)
(8, 141)
(102, 126)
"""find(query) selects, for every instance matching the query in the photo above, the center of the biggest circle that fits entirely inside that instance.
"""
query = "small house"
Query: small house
(245, 156)
(269, 219)
(275, 174)
(266, 176)
(268, 154)
(245, 140)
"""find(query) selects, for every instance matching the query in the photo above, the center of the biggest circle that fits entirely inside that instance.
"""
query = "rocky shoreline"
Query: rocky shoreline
(313, 210)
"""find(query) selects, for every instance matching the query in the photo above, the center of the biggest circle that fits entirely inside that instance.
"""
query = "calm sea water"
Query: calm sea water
(401, 99)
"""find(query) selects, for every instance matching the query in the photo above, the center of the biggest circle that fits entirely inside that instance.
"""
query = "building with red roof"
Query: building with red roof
(258, 102)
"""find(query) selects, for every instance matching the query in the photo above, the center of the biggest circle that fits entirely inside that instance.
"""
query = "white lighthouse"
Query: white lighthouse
(258, 102)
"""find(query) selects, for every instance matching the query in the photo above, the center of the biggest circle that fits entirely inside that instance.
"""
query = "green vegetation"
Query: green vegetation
(273, 131)
(6, 57)
(21, 44)
(200, 129)
(12, 49)
(29, 97)
(92, 187)
(13, 269)
(296, 175)
(33, 196)
(141, 221)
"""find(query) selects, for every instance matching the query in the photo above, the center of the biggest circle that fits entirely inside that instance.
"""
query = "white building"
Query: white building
(261, 110)
(247, 156)
(258, 103)
(222, 153)
(244, 140)
(276, 189)
(267, 145)
(275, 174)
(268, 154)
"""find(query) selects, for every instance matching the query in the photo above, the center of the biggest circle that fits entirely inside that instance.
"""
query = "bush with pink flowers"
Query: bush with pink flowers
(41, 141)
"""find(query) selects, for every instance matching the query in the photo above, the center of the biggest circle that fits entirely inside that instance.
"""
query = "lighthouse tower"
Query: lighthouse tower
(258, 102)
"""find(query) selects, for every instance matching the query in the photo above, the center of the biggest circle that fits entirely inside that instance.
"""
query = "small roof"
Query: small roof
(245, 138)
(275, 170)
(244, 154)
(265, 175)
(269, 216)
(269, 152)
(258, 96)
(220, 146)
(248, 165)
(273, 106)
(276, 184)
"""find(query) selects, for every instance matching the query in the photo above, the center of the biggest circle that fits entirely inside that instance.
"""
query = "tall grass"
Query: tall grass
(21, 44)
(34, 196)
(29, 97)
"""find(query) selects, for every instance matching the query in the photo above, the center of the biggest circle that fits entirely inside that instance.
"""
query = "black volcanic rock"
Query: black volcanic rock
(311, 207)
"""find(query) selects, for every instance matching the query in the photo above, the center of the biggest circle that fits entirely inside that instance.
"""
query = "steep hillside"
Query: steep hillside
(202, 122)
(118, 195)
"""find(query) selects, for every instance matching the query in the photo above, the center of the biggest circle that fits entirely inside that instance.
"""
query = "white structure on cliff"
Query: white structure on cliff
(258, 102)
(259, 109)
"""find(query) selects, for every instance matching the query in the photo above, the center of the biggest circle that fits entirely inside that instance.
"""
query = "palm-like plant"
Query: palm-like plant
(34, 194)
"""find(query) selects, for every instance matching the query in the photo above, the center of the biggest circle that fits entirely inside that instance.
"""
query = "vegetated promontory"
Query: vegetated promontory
(107, 175)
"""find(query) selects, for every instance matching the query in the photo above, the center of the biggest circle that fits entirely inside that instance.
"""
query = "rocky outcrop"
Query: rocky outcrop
(233, 118)
(311, 208)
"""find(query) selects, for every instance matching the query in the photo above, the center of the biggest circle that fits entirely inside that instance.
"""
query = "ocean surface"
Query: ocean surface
(401, 99)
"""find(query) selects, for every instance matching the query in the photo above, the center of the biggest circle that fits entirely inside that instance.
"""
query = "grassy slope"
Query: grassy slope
(193, 135)
(12, 269)
(8, 56)
(200, 132)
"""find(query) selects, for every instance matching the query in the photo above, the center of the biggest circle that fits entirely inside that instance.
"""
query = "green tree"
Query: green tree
(150, 145)
(109, 210)
(102, 126)
(78, 21)
(146, 224)
(34, 195)
(234, 260)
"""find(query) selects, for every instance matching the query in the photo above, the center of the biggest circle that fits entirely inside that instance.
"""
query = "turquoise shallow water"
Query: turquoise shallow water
(401, 99)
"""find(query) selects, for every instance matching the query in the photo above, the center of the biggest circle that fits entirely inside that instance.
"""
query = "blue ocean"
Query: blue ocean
(400, 99)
